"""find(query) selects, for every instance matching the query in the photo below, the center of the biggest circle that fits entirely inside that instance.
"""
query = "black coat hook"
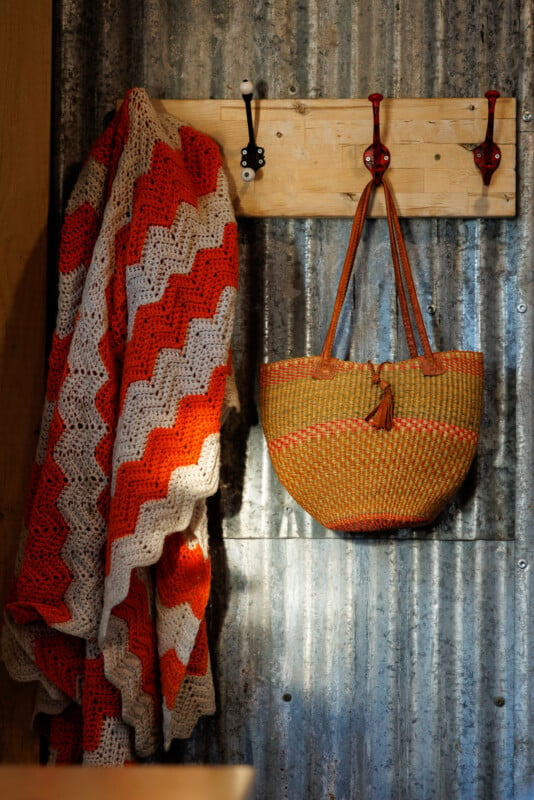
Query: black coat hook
(488, 154)
(252, 156)
(377, 157)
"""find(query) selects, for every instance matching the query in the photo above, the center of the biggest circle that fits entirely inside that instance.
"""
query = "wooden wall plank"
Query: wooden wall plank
(25, 53)
(314, 151)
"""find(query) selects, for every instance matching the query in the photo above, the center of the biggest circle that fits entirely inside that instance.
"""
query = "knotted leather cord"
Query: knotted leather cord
(382, 414)
(401, 266)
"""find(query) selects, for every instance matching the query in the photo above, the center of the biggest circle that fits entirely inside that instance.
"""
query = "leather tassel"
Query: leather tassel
(382, 415)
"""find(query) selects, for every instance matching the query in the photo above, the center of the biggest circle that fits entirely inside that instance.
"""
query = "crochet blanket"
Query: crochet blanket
(107, 610)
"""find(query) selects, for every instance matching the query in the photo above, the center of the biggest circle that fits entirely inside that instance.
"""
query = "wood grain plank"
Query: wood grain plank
(170, 782)
(314, 152)
(25, 55)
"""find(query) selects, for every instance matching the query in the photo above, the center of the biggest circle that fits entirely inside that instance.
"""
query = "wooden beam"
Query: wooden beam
(25, 61)
(314, 151)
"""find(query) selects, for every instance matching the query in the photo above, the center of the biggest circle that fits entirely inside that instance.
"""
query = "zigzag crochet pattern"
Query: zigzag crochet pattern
(107, 608)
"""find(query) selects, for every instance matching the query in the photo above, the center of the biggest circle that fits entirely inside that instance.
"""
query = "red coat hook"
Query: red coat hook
(376, 158)
(488, 154)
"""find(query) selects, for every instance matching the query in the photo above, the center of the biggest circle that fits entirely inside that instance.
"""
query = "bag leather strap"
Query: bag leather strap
(406, 292)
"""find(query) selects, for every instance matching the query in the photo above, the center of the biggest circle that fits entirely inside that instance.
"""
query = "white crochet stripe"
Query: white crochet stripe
(88, 187)
(172, 251)
(46, 704)
(70, 296)
(177, 630)
(171, 126)
(177, 374)
(124, 670)
(195, 699)
(157, 519)
(197, 530)
(114, 749)
(165, 127)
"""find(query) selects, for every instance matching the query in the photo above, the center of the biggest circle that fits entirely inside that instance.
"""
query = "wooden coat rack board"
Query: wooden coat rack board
(314, 148)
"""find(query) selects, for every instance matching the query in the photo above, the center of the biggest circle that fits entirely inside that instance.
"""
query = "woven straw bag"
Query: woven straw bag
(364, 447)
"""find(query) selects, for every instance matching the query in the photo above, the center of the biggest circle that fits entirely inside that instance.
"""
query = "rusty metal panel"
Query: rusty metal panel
(387, 667)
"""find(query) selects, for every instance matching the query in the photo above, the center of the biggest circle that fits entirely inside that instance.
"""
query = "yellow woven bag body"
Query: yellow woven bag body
(365, 447)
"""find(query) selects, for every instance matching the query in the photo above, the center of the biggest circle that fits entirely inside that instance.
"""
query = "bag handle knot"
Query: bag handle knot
(382, 415)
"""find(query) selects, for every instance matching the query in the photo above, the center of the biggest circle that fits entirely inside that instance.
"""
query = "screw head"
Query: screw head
(521, 307)
(527, 116)
(522, 563)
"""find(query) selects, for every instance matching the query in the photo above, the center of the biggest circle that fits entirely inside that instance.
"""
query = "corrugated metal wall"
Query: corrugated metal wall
(348, 666)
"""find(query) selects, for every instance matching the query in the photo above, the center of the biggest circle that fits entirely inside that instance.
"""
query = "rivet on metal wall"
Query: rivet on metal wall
(521, 307)
(527, 116)
(431, 308)
(286, 697)
(522, 563)
(499, 702)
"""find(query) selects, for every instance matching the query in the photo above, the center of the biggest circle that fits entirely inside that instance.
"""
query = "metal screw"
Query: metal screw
(431, 308)
(386, 158)
(521, 307)
(522, 563)
(497, 155)
(286, 697)
(499, 702)
(527, 116)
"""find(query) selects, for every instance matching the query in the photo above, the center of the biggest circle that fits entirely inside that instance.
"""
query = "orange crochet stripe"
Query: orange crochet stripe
(166, 449)
(194, 295)
(346, 425)
(183, 574)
